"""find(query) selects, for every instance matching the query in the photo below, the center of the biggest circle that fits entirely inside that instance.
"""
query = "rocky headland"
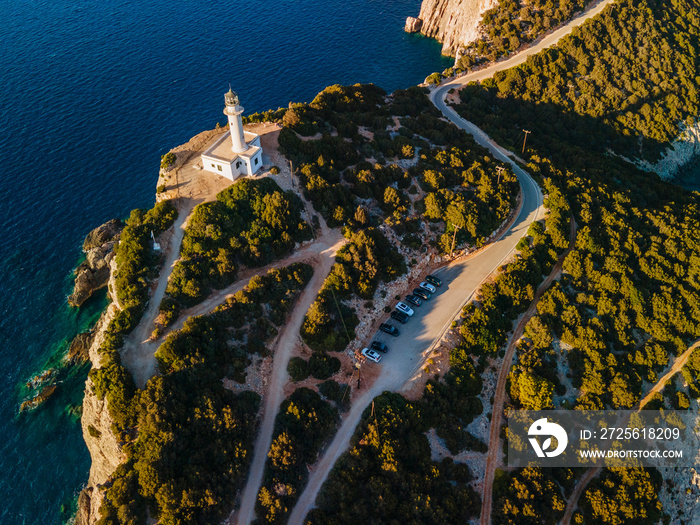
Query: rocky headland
(93, 273)
(454, 23)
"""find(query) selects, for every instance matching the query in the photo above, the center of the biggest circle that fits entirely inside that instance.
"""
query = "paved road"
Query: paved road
(520, 58)
(432, 319)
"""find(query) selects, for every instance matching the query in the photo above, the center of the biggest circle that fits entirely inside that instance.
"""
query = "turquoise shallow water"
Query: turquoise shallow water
(92, 94)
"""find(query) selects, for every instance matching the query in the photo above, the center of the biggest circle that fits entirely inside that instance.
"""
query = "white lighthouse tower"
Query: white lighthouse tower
(233, 111)
(237, 152)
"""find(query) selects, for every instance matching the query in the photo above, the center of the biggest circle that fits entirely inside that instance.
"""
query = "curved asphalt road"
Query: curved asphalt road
(460, 279)
(432, 319)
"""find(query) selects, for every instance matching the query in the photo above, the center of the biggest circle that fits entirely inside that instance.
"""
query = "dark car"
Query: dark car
(433, 280)
(376, 345)
(413, 299)
(423, 294)
(389, 329)
(399, 316)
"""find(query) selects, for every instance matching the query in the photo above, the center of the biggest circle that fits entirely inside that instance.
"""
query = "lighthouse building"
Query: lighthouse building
(237, 153)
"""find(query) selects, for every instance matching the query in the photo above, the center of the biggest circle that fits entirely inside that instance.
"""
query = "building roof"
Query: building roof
(221, 149)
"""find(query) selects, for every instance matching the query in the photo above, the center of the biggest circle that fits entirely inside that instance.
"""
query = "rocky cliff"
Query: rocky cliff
(93, 273)
(105, 451)
(455, 23)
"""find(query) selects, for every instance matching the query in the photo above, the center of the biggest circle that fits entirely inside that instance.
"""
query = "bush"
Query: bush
(167, 160)
(323, 366)
(274, 170)
(298, 369)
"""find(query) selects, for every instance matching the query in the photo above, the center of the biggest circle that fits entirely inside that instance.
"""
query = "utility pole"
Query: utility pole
(499, 169)
(454, 236)
(527, 132)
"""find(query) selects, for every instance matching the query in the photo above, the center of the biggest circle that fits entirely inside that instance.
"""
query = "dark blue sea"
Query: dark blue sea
(92, 93)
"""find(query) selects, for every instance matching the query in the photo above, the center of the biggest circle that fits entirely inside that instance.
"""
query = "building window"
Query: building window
(238, 164)
(219, 166)
(213, 165)
(256, 160)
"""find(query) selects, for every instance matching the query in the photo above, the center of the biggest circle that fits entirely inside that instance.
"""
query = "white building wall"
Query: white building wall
(220, 168)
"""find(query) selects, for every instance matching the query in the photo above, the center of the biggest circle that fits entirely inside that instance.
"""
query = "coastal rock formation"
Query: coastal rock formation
(80, 347)
(102, 234)
(455, 23)
(105, 450)
(93, 273)
(413, 25)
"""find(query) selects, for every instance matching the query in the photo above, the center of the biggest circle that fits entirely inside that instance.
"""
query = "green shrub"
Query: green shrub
(167, 160)
(323, 366)
(298, 369)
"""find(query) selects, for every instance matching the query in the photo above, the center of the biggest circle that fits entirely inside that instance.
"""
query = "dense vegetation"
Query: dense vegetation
(304, 423)
(628, 299)
(251, 223)
(137, 262)
(373, 152)
(514, 23)
(387, 476)
(364, 159)
(188, 438)
(625, 80)
(366, 260)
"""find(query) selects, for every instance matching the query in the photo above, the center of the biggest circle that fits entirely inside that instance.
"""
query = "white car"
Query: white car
(427, 287)
(403, 307)
(372, 355)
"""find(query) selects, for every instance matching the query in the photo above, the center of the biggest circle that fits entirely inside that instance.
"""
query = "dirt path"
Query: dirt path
(675, 368)
(493, 457)
(329, 239)
(137, 354)
(658, 387)
(278, 379)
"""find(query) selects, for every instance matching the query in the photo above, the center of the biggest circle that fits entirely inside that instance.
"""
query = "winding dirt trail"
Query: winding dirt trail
(278, 379)
(658, 387)
(493, 457)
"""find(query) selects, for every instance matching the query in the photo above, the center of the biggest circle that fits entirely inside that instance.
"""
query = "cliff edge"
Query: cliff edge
(105, 451)
(455, 23)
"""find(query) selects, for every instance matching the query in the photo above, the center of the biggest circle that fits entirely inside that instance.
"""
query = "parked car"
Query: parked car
(372, 355)
(399, 316)
(427, 286)
(389, 329)
(413, 299)
(423, 294)
(403, 307)
(433, 280)
(378, 345)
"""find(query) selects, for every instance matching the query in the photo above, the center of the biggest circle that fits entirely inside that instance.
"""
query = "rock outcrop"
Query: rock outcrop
(455, 23)
(102, 234)
(93, 273)
(105, 451)
(79, 351)
(413, 25)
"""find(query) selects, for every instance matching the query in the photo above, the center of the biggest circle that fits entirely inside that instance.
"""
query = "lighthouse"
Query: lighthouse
(238, 152)
(233, 111)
